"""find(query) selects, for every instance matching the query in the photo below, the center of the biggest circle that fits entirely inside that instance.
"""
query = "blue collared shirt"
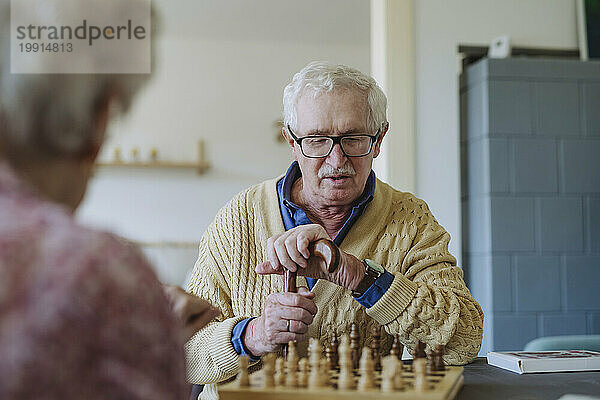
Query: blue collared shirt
(294, 216)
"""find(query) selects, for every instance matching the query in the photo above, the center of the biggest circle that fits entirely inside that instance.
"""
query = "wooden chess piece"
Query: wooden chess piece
(314, 358)
(329, 353)
(430, 365)
(346, 378)
(291, 378)
(279, 372)
(375, 345)
(399, 375)
(419, 351)
(420, 369)
(314, 350)
(269, 370)
(438, 361)
(367, 371)
(334, 344)
(354, 345)
(390, 368)
(325, 366)
(303, 372)
(397, 347)
(243, 379)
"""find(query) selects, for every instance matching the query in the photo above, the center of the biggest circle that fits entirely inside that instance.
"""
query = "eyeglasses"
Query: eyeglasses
(358, 145)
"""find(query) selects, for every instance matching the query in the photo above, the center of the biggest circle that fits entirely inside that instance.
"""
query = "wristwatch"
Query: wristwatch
(372, 272)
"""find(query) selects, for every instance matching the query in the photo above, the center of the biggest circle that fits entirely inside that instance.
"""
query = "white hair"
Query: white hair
(323, 77)
(54, 114)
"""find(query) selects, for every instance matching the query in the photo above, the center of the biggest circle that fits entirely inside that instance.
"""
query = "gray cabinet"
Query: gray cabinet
(530, 161)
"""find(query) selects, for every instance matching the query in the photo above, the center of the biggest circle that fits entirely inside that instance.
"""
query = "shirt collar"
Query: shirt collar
(293, 174)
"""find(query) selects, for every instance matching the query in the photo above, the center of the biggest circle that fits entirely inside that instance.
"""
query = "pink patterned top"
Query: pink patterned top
(82, 315)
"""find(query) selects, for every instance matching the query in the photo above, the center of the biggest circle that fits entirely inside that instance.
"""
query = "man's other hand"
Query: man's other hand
(285, 318)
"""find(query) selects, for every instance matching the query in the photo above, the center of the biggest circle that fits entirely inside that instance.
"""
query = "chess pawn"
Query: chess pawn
(354, 345)
(399, 376)
(243, 379)
(375, 344)
(269, 370)
(367, 371)
(279, 373)
(438, 361)
(430, 364)
(314, 350)
(346, 378)
(329, 353)
(393, 369)
(420, 369)
(388, 373)
(397, 347)
(334, 344)
(303, 373)
(419, 351)
(324, 367)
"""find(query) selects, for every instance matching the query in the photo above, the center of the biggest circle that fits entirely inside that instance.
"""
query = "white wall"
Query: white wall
(393, 66)
(440, 26)
(221, 69)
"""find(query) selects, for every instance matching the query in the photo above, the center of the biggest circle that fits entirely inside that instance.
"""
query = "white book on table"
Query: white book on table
(524, 362)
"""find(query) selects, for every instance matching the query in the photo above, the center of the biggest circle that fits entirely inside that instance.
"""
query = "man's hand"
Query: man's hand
(290, 251)
(285, 318)
(193, 312)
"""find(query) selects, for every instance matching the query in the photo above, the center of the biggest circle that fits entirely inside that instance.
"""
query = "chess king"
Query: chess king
(395, 269)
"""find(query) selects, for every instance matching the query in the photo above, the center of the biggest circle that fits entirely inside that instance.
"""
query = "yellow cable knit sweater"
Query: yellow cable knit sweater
(428, 299)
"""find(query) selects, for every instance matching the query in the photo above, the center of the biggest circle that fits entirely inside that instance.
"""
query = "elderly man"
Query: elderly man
(82, 315)
(395, 268)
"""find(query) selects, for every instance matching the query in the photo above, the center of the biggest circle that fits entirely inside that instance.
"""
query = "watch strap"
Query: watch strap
(367, 281)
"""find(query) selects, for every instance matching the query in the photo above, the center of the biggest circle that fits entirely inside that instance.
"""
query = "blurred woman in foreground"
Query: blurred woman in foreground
(82, 314)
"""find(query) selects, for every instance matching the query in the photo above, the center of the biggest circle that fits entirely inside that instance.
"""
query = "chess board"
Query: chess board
(443, 385)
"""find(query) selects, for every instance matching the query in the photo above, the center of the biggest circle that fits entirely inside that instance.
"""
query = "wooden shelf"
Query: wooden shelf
(200, 166)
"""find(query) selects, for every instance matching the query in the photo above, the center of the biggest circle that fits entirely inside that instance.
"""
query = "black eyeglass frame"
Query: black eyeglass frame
(335, 139)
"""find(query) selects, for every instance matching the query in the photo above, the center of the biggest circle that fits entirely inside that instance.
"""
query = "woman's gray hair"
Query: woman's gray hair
(320, 77)
(55, 114)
